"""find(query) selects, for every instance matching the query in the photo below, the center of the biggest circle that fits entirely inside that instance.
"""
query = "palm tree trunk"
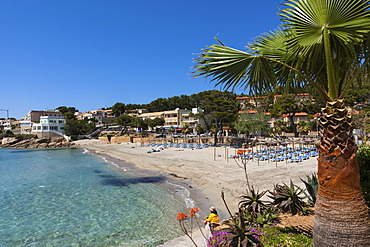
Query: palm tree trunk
(341, 214)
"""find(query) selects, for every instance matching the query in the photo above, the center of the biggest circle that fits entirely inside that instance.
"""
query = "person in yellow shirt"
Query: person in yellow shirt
(213, 218)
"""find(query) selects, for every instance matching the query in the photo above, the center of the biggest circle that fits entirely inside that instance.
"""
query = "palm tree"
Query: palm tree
(324, 44)
(280, 126)
(303, 127)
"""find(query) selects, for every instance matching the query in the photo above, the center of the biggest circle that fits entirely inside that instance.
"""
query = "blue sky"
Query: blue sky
(91, 54)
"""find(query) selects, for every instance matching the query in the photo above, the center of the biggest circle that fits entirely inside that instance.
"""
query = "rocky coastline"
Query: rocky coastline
(35, 143)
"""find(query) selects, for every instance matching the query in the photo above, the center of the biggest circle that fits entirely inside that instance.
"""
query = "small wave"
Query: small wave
(184, 193)
(85, 151)
(112, 163)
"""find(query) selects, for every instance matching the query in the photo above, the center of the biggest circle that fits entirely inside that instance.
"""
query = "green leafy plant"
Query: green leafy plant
(288, 198)
(252, 202)
(312, 186)
(287, 236)
(6, 133)
(261, 219)
(363, 155)
(238, 233)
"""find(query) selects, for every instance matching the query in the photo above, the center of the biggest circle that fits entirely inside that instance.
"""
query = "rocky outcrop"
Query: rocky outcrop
(36, 143)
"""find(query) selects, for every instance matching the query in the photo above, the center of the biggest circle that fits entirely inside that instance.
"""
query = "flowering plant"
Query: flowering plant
(181, 217)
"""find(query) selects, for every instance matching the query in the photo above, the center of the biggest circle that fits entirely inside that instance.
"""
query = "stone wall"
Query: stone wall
(123, 139)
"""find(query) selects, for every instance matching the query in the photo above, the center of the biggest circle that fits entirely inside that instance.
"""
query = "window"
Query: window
(45, 128)
(38, 127)
(54, 128)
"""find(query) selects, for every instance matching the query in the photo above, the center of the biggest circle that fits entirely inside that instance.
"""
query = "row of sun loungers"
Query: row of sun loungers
(278, 155)
(177, 145)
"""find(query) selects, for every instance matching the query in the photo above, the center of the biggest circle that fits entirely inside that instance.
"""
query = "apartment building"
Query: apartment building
(251, 102)
(49, 127)
(90, 115)
(151, 115)
(34, 116)
(177, 118)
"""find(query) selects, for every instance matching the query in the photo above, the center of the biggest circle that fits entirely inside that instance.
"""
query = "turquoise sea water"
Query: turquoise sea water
(70, 198)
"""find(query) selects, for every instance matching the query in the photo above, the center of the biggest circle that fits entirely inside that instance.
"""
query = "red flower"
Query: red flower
(194, 210)
(181, 216)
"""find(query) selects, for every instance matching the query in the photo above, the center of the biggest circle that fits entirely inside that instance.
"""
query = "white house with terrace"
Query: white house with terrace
(49, 127)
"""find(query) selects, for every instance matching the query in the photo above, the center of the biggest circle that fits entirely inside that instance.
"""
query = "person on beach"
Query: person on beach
(213, 218)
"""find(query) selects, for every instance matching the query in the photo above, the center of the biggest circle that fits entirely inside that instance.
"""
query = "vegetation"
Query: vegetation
(220, 109)
(75, 127)
(253, 225)
(252, 202)
(124, 121)
(288, 198)
(156, 122)
(323, 45)
(118, 109)
(278, 236)
(287, 104)
(312, 186)
(257, 124)
(68, 112)
(6, 133)
(363, 155)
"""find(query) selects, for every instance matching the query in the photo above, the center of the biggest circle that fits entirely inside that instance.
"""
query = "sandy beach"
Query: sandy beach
(205, 172)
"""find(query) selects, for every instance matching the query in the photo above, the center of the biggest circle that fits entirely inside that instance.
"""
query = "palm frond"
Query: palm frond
(233, 68)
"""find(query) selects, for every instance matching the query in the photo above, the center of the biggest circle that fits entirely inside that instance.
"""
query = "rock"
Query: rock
(35, 143)
(8, 140)
(51, 144)
(32, 146)
(42, 145)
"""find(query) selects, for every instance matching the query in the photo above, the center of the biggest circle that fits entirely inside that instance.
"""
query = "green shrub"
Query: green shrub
(283, 236)
(363, 156)
(261, 219)
(74, 137)
(7, 133)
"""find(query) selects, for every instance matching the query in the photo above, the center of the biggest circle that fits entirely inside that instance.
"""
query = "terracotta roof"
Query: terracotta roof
(298, 114)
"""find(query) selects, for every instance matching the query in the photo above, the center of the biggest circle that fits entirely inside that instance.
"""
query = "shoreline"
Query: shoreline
(172, 181)
(205, 173)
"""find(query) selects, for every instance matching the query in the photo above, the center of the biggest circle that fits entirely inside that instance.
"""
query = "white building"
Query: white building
(5, 125)
(49, 126)
(26, 126)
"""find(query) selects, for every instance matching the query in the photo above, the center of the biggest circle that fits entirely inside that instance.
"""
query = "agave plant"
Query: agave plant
(252, 202)
(312, 186)
(288, 198)
(238, 234)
